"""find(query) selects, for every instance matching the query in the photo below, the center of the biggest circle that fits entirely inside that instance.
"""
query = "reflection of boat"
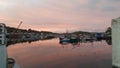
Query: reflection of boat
(90, 39)
(64, 43)
(72, 41)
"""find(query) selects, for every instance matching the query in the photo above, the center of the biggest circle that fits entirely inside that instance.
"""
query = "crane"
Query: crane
(18, 27)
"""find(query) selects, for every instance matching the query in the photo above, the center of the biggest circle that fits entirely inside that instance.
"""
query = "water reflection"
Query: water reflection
(15, 41)
(78, 43)
(50, 54)
(109, 42)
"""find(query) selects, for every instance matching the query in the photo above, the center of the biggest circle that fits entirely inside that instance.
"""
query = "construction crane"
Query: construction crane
(18, 27)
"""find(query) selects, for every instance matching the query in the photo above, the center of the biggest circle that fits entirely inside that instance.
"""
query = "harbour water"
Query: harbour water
(51, 54)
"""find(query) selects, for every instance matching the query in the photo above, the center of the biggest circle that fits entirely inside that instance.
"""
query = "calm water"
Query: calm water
(51, 54)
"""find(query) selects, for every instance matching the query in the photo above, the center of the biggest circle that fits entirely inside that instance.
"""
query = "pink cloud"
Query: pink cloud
(60, 15)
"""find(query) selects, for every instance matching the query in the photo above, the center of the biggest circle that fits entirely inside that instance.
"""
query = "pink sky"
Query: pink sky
(59, 15)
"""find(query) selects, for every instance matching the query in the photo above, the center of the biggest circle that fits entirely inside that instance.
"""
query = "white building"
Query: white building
(116, 42)
(3, 53)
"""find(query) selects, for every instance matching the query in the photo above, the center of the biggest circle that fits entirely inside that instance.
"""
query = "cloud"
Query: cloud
(59, 15)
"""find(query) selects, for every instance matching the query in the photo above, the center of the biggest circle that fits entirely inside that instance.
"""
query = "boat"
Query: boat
(74, 39)
(64, 39)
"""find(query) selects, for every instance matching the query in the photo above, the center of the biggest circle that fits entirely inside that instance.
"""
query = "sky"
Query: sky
(60, 15)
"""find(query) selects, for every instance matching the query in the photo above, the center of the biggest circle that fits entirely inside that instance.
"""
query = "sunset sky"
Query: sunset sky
(59, 15)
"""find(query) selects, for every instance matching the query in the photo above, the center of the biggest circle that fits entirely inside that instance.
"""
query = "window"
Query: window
(0, 42)
(0, 36)
(0, 31)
